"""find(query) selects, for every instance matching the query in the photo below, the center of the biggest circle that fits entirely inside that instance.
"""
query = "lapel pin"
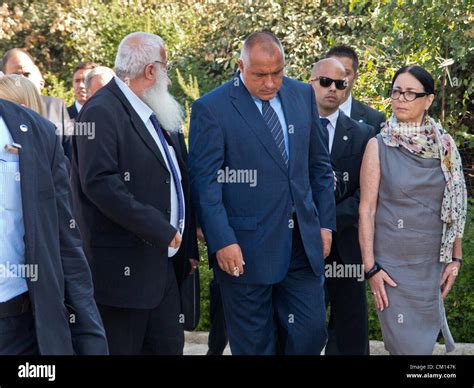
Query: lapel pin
(23, 128)
(361, 121)
(345, 138)
(13, 148)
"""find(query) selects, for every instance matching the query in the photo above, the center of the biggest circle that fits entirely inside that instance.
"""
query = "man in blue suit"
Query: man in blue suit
(263, 185)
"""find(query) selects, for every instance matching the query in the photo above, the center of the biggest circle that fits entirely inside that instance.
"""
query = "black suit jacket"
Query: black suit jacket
(350, 140)
(56, 112)
(365, 114)
(122, 193)
(53, 242)
(72, 111)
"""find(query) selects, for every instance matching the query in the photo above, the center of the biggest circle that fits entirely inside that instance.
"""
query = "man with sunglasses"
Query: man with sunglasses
(267, 240)
(351, 107)
(346, 139)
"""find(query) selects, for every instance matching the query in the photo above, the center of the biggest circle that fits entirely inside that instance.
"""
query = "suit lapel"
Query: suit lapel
(243, 102)
(28, 176)
(357, 112)
(342, 136)
(137, 122)
(288, 99)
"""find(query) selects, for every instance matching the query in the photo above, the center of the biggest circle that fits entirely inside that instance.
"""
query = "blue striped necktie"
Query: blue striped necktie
(274, 125)
(174, 172)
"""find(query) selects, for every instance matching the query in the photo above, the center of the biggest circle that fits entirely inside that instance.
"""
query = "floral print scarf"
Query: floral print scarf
(430, 140)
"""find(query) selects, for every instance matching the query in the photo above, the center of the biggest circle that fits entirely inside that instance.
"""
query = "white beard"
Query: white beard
(162, 103)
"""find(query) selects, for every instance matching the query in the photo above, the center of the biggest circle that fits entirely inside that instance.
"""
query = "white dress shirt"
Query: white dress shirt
(346, 106)
(78, 106)
(12, 230)
(144, 112)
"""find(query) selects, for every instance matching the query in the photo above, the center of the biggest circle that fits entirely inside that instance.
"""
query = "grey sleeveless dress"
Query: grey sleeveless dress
(407, 243)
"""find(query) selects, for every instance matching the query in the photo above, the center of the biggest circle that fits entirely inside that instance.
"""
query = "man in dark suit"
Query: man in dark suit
(47, 307)
(19, 61)
(79, 74)
(345, 285)
(131, 192)
(262, 181)
(351, 107)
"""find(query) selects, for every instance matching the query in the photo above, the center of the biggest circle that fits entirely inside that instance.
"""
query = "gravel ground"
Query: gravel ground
(196, 344)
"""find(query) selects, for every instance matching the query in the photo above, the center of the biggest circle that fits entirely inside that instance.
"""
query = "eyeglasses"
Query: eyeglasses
(168, 65)
(326, 82)
(409, 95)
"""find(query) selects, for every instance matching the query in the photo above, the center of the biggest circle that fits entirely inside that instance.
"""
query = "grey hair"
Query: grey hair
(267, 42)
(135, 51)
(106, 73)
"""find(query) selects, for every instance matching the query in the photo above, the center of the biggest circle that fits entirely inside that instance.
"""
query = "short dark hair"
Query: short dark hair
(86, 65)
(425, 78)
(346, 52)
(6, 57)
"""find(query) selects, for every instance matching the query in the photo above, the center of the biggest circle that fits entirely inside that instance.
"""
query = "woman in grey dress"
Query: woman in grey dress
(412, 215)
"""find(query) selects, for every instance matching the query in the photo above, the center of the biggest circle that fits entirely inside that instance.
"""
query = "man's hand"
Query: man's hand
(230, 260)
(326, 236)
(176, 242)
(200, 235)
(193, 263)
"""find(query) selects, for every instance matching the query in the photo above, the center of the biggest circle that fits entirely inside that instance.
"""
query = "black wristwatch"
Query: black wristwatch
(458, 259)
(371, 272)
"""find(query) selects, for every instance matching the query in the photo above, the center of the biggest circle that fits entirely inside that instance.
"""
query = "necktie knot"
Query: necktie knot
(324, 122)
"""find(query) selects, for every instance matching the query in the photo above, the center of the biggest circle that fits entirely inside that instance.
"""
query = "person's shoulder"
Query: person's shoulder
(362, 128)
(368, 109)
(40, 125)
(219, 93)
(296, 85)
(102, 101)
(53, 101)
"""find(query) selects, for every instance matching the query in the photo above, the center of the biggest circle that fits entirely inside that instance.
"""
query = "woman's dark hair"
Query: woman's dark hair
(420, 74)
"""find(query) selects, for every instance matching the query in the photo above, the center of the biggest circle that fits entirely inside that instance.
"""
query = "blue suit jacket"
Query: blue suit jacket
(228, 131)
(64, 284)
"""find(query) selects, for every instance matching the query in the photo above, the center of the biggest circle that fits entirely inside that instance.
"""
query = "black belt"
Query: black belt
(16, 306)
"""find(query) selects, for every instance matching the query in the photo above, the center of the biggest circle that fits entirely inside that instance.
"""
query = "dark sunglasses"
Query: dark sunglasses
(326, 82)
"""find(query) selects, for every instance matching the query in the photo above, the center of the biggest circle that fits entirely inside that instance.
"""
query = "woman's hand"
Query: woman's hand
(377, 285)
(449, 276)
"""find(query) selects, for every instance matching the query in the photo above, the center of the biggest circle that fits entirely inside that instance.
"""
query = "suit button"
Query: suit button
(168, 210)
(167, 181)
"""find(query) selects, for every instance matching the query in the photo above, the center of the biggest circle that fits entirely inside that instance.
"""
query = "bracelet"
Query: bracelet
(371, 272)
(458, 259)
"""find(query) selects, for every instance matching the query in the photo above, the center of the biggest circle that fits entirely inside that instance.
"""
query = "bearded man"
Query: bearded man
(132, 201)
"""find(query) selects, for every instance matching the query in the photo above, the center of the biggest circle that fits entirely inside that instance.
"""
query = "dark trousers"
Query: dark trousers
(158, 331)
(217, 340)
(288, 317)
(18, 336)
(348, 321)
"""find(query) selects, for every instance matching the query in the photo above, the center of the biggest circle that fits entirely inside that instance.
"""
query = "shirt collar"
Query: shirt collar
(142, 109)
(346, 106)
(78, 106)
(333, 118)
